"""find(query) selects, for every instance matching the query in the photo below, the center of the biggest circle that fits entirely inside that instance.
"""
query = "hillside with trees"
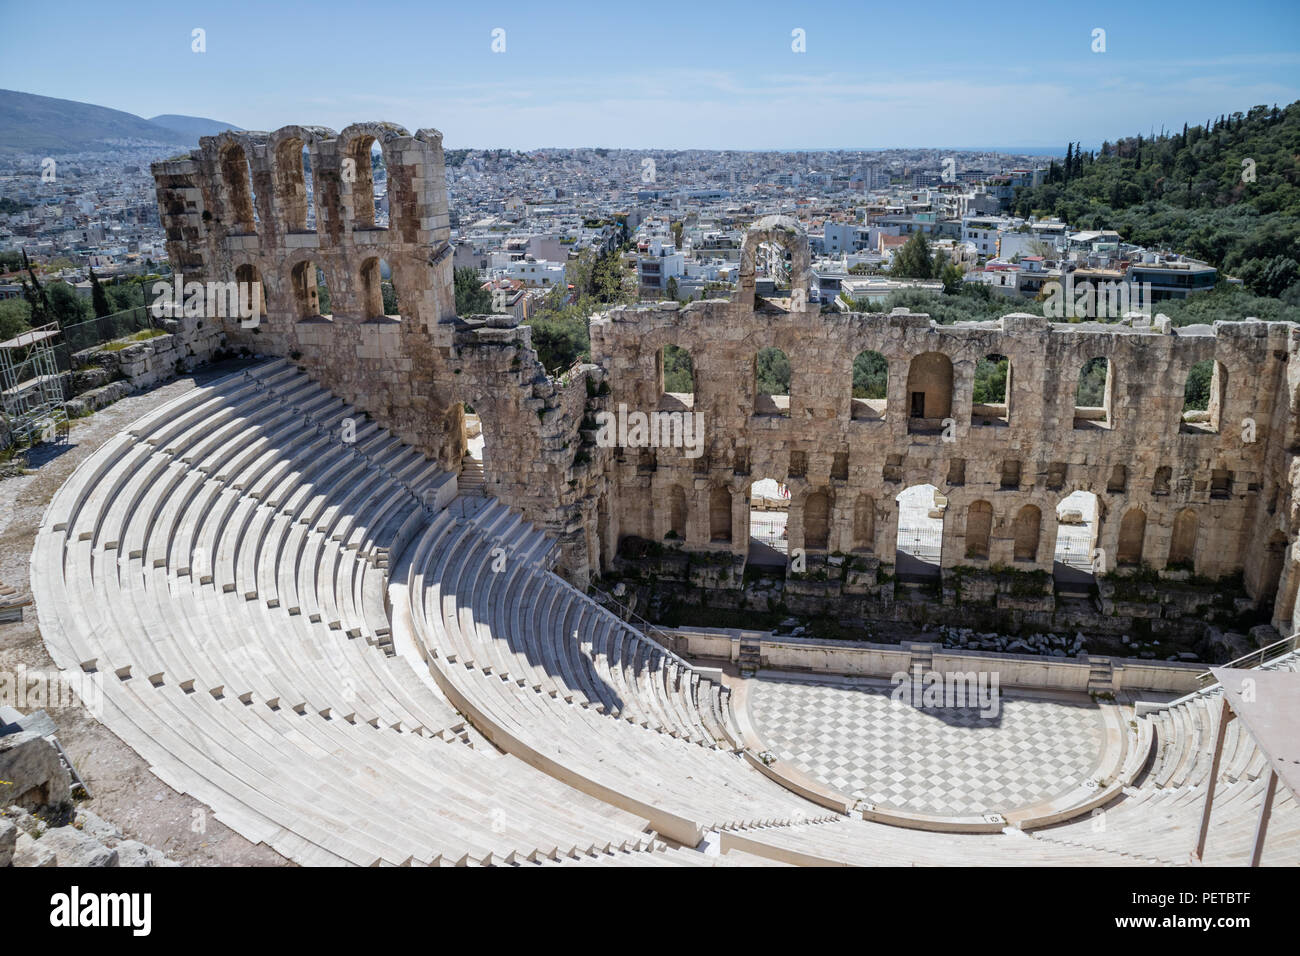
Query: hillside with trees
(1226, 191)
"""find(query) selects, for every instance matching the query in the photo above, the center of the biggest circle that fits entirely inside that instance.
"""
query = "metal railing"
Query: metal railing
(1257, 658)
(629, 616)
(563, 374)
(84, 335)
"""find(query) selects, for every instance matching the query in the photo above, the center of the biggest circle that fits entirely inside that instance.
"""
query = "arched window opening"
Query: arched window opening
(1074, 557)
(1203, 396)
(310, 293)
(816, 521)
(309, 190)
(291, 159)
(870, 386)
(720, 515)
(919, 544)
(676, 373)
(388, 290)
(991, 398)
(769, 515)
(772, 383)
(365, 169)
(1093, 395)
(1132, 535)
(378, 297)
(238, 178)
(929, 393)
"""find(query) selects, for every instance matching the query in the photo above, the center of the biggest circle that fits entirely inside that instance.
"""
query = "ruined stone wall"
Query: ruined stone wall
(1239, 490)
(236, 210)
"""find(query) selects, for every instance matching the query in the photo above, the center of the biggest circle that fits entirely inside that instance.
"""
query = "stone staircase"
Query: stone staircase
(471, 481)
(750, 648)
(922, 657)
(1101, 676)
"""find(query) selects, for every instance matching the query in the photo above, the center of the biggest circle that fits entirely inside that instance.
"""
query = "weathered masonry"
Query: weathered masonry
(237, 209)
(1211, 497)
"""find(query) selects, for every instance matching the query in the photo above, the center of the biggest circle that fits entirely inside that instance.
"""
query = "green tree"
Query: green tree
(15, 317)
(870, 375)
(913, 260)
(1196, 393)
(679, 370)
(66, 306)
(471, 297)
(772, 372)
(952, 276)
(1091, 390)
(990, 380)
(672, 288)
(98, 300)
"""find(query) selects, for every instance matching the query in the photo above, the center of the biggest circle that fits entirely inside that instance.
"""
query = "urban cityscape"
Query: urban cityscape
(614, 438)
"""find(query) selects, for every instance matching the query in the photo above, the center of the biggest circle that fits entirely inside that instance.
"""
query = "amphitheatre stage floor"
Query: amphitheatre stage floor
(849, 735)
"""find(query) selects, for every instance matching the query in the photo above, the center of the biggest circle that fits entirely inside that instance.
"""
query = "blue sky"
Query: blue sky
(680, 75)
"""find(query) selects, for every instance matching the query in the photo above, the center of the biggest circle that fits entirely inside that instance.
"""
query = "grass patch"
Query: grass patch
(142, 336)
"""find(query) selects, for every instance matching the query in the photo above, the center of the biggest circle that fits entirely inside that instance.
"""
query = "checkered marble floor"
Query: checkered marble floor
(946, 761)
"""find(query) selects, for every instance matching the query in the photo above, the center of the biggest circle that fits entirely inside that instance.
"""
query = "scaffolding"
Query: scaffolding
(31, 386)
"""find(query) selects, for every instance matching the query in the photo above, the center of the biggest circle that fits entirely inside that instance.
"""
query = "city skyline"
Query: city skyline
(676, 77)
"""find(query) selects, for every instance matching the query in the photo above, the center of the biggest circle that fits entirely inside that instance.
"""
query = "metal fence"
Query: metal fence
(84, 335)
(769, 528)
(921, 543)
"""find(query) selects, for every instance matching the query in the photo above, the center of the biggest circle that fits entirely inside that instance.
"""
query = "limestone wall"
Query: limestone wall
(865, 659)
(1134, 453)
(236, 210)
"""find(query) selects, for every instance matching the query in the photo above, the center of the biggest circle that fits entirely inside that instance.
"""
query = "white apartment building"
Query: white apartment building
(536, 274)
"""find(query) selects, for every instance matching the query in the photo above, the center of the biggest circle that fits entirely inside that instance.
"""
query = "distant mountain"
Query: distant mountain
(43, 124)
(191, 126)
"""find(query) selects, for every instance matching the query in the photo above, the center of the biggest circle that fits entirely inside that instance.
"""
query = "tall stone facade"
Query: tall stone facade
(1212, 497)
(236, 210)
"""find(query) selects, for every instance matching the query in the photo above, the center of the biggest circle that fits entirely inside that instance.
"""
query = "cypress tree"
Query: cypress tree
(98, 298)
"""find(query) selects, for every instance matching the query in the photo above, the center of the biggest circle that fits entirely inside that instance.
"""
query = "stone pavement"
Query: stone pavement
(943, 761)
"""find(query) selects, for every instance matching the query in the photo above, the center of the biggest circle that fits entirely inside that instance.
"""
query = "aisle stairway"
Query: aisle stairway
(319, 640)
(221, 567)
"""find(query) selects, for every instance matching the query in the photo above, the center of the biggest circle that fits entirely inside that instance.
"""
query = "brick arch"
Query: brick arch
(235, 168)
(785, 231)
(286, 276)
(359, 191)
(289, 193)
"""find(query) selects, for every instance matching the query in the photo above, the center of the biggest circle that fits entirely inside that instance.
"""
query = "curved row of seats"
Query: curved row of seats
(1158, 818)
(1153, 822)
(527, 625)
(221, 566)
(552, 677)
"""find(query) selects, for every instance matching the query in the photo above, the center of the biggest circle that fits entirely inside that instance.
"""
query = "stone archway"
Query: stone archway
(785, 231)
